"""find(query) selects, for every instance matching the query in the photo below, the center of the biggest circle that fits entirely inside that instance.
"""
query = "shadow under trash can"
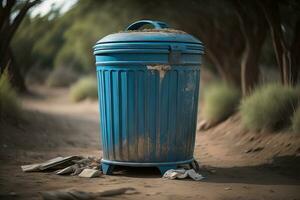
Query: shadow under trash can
(148, 86)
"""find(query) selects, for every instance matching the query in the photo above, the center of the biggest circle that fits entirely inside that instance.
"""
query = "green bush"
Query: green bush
(61, 77)
(84, 88)
(296, 121)
(270, 107)
(9, 102)
(220, 101)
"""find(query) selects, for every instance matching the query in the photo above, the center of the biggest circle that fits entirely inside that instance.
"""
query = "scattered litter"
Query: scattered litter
(80, 195)
(89, 173)
(55, 163)
(59, 162)
(91, 167)
(77, 171)
(183, 173)
(71, 165)
(31, 168)
(67, 170)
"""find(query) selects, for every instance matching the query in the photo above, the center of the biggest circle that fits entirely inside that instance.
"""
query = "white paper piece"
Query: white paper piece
(89, 173)
(183, 173)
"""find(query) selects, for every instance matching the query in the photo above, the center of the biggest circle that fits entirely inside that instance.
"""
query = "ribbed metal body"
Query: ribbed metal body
(148, 116)
(148, 86)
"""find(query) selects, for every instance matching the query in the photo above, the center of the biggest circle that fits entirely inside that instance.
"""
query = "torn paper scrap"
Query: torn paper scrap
(59, 162)
(183, 173)
(31, 168)
(55, 163)
(89, 173)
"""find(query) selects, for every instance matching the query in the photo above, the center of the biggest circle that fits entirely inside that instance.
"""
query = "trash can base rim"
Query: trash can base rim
(150, 164)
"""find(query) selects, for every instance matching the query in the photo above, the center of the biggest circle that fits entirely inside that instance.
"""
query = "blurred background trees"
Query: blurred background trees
(238, 35)
(247, 43)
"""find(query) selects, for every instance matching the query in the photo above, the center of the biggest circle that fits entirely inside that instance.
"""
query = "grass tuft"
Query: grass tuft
(270, 107)
(85, 88)
(220, 101)
(10, 105)
(296, 121)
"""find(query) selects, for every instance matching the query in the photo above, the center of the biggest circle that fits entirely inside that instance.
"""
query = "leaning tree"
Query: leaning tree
(12, 12)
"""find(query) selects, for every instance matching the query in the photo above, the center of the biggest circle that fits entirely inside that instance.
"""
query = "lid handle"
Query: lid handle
(138, 24)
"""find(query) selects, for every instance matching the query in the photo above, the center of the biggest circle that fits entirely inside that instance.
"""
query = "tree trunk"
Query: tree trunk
(254, 31)
(16, 79)
(295, 53)
(286, 56)
(8, 28)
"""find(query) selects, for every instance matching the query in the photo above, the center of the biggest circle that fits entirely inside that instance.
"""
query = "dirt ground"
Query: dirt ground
(237, 164)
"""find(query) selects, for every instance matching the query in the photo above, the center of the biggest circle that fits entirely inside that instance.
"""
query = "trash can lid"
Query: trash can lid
(160, 45)
(160, 33)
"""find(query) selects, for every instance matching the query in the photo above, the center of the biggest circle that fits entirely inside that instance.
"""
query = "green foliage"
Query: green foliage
(9, 102)
(94, 20)
(220, 101)
(61, 77)
(85, 88)
(296, 121)
(46, 48)
(36, 42)
(269, 107)
(66, 40)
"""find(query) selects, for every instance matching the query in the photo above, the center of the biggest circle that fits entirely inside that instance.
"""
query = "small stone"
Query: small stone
(89, 173)
(252, 150)
(228, 188)
(258, 149)
(248, 150)
(13, 194)
(203, 125)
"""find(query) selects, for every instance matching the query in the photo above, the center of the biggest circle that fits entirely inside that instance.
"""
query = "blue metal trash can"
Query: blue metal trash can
(148, 86)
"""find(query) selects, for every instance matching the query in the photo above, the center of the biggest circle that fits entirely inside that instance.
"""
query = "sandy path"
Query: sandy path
(55, 126)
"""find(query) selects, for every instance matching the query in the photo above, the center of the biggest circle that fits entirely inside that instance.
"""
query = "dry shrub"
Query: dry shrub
(84, 88)
(296, 121)
(270, 107)
(220, 101)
